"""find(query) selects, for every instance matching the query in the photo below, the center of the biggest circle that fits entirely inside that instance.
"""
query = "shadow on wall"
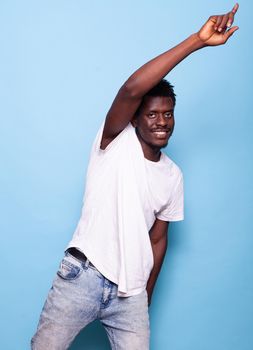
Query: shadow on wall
(92, 337)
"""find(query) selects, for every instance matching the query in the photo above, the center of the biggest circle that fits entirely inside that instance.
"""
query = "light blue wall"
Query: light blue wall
(61, 63)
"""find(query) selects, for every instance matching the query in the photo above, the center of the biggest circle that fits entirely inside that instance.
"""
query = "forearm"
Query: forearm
(153, 71)
(159, 250)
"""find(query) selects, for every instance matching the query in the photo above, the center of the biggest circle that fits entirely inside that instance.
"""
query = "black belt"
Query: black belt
(78, 255)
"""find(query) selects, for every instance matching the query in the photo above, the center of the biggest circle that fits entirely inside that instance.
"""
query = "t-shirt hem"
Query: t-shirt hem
(120, 293)
(129, 294)
(175, 218)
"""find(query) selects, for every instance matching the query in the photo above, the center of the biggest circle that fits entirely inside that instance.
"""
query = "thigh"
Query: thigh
(126, 321)
(71, 304)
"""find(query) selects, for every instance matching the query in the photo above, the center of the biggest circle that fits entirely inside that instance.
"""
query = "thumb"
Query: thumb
(230, 32)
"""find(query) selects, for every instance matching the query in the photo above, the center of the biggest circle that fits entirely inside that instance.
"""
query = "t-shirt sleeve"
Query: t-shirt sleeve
(113, 144)
(174, 210)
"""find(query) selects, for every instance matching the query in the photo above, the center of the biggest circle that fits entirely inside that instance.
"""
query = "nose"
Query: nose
(161, 120)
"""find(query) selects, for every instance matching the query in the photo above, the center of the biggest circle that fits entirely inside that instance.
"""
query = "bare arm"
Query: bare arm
(214, 32)
(159, 240)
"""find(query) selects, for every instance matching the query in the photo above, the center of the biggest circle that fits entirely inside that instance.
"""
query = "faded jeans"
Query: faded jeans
(79, 295)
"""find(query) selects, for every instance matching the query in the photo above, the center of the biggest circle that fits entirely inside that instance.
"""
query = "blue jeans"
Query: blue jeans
(81, 294)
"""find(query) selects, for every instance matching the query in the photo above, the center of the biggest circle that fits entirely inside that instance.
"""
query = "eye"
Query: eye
(168, 115)
(152, 115)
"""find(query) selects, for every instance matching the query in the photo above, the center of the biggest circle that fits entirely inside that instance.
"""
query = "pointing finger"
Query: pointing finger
(235, 8)
(231, 15)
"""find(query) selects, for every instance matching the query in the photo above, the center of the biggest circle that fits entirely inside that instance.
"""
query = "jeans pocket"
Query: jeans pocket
(68, 270)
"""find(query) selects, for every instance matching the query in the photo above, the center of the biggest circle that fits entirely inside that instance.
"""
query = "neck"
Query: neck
(150, 152)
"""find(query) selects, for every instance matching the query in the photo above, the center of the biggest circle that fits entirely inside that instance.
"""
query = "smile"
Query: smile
(161, 133)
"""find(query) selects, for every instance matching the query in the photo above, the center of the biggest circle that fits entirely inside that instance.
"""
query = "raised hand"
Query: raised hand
(215, 31)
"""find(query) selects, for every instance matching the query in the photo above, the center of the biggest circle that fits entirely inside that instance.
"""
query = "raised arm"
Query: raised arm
(214, 32)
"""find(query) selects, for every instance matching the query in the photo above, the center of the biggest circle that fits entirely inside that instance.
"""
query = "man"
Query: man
(133, 191)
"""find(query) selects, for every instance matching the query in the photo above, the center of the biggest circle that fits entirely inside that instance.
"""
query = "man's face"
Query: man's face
(155, 122)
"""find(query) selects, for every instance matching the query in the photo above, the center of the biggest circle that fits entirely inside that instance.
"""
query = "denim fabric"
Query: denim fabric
(79, 295)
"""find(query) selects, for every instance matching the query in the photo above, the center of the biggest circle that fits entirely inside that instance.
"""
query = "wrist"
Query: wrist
(197, 42)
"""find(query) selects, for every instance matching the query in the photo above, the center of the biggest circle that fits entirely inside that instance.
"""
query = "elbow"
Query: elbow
(156, 241)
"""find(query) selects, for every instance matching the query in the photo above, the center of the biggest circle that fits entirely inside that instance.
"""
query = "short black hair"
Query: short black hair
(162, 89)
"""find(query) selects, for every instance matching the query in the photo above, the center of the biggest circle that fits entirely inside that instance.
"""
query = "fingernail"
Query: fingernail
(229, 24)
(220, 29)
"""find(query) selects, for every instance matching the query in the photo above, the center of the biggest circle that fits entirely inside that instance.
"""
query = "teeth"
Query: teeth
(160, 132)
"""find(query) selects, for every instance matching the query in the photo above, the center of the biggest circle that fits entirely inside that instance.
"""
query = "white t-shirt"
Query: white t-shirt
(124, 195)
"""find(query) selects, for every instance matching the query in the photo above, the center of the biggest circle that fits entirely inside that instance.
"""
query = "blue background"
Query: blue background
(61, 64)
